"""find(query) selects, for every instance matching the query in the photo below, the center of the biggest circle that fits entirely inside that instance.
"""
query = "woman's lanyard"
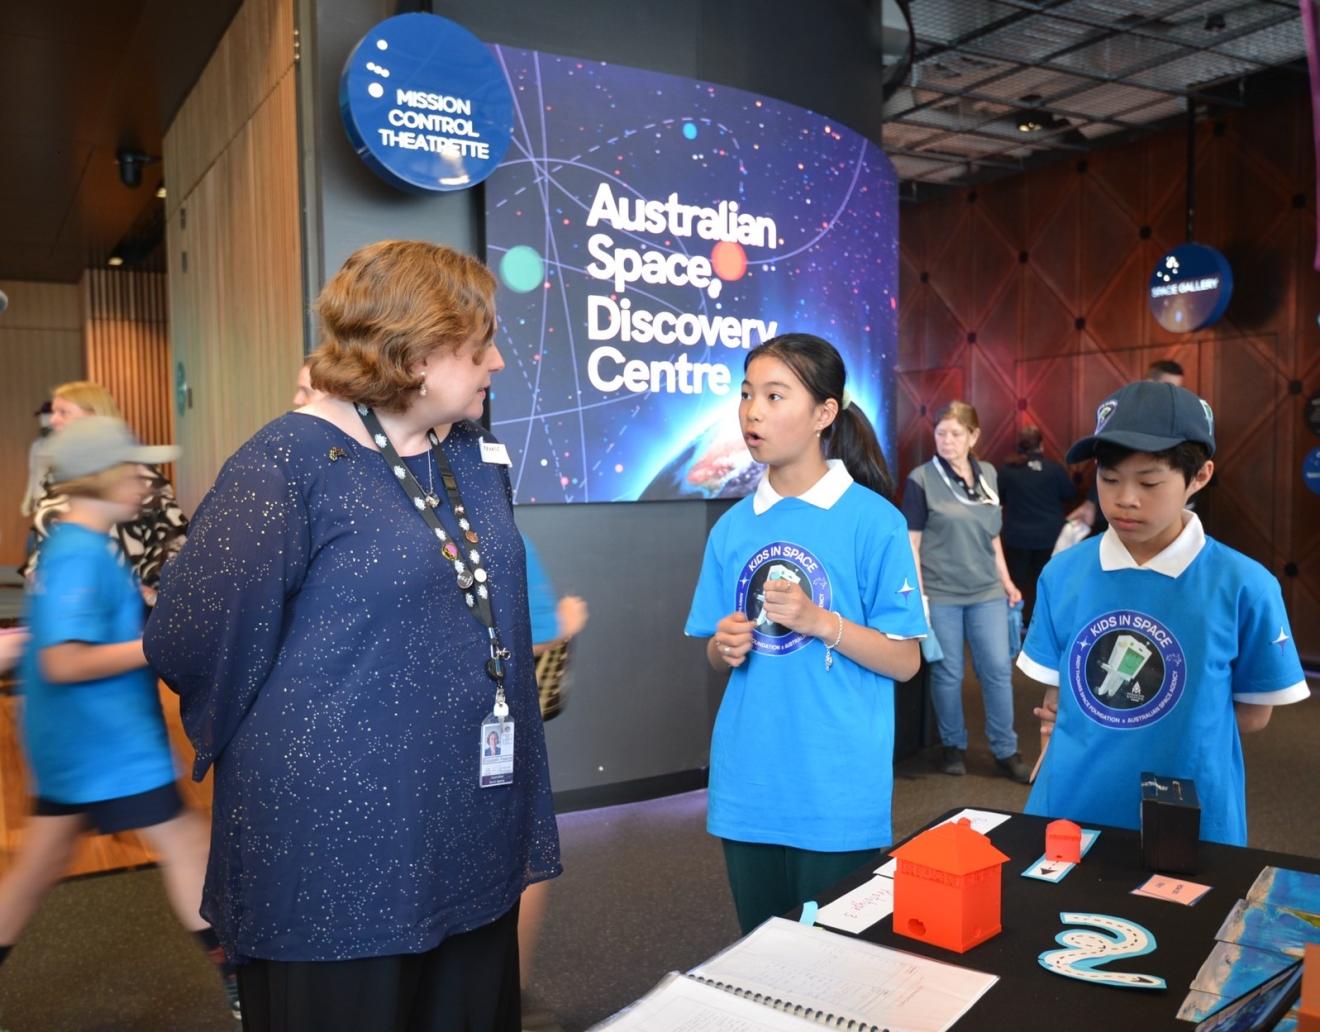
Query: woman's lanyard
(469, 571)
(967, 495)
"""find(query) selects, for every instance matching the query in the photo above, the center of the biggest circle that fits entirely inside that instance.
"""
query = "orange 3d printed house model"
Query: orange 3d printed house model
(946, 889)
(1063, 841)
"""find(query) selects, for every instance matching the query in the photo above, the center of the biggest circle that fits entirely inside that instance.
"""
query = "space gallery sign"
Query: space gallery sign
(1190, 288)
(425, 104)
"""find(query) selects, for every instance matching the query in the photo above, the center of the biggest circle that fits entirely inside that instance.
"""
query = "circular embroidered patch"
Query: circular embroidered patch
(780, 561)
(1126, 670)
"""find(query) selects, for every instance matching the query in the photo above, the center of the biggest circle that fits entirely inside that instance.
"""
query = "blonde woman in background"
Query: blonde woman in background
(148, 541)
(954, 519)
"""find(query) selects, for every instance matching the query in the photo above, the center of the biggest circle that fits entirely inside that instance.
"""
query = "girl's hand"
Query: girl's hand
(733, 639)
(789, 606)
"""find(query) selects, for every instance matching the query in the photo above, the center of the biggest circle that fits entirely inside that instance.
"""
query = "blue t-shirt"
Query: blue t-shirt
(1148, 668)
(90, 740)
(800, 756)
(540, 598)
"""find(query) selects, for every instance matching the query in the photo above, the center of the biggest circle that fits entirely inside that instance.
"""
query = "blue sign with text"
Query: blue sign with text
(425, 104)
(1190, 288)
(1311, 470)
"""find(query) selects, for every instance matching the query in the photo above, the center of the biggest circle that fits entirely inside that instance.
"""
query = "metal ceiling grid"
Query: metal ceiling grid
(998, 84)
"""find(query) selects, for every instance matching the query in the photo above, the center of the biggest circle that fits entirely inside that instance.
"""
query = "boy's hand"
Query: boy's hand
(788, 605)
(733, 639)
(1048, 713)
(571, 614)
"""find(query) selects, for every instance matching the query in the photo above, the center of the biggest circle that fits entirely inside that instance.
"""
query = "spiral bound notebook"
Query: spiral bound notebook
(786, 976)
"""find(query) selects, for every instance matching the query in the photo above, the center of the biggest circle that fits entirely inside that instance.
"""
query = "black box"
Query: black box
(1170, 824)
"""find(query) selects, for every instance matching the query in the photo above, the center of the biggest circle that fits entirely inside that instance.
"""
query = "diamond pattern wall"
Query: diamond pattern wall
(1026, 297)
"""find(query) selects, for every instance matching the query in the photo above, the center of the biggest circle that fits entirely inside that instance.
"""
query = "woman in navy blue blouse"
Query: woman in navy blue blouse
(331, 671)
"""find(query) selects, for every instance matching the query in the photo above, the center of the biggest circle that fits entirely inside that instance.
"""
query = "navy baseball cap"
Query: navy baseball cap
(1149, 417)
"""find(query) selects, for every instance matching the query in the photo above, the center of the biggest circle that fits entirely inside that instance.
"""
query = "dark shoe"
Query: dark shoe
(1015, 767)
(953, 762)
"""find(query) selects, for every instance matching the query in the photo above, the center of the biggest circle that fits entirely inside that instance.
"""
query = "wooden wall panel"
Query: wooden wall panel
(41, 345)
(128, 348)
(255, 53)
(233, 238)
(1029, 295)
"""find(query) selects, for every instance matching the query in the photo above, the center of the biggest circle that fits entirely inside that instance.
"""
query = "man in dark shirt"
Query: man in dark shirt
(1032, 490)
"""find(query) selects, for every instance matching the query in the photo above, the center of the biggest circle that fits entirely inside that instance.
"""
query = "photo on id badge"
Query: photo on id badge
(496, 753)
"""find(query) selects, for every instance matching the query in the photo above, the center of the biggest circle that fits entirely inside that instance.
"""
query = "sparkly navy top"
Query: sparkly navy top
(329, 670)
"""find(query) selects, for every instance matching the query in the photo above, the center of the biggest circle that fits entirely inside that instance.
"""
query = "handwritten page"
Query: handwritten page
(856, 911)
(680, 1004)
(859, 981)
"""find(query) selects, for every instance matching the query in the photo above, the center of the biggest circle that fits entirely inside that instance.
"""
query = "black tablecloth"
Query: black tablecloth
(1029, 997)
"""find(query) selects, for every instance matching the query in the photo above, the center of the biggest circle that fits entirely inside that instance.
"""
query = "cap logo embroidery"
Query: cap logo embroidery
(1209, 415)
(1104, 413)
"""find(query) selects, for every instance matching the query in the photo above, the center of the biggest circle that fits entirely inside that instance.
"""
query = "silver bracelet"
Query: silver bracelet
(829, 648)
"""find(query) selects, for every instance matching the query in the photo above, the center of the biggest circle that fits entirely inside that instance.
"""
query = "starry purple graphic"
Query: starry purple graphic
(578, 124)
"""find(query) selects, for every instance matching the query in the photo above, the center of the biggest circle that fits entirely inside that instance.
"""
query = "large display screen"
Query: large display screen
(647, 231)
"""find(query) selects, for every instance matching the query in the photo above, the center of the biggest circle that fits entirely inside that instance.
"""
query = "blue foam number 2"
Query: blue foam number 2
(1104, 939)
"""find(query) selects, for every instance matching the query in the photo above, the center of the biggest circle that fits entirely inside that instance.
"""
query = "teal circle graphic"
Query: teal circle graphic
(690, 130)
(522, 269)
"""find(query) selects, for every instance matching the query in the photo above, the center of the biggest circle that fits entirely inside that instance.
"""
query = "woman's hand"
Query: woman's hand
(789, 606)
(732, 640)
(1014, 595)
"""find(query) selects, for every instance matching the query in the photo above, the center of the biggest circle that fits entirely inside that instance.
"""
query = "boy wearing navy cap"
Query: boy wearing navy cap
(1161, 646)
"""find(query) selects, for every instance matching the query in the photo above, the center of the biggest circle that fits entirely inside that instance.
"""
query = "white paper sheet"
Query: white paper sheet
(888, 869)
(863, 982)
(680, 1004)
(856, 911)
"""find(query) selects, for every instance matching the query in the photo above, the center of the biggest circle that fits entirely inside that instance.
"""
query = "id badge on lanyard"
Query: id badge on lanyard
(496, 752)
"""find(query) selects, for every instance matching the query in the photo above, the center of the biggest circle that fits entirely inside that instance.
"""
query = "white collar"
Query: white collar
(822, 494)
(1171, 562)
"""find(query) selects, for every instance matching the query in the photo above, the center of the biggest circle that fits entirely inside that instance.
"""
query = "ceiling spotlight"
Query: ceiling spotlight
(114, 261)
(160, 191)
(1028, 124)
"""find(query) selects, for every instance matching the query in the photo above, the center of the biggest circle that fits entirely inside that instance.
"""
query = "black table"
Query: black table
(1028, 996)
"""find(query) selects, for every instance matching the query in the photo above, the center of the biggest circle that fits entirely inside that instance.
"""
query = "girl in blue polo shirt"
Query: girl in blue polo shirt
(808, 596)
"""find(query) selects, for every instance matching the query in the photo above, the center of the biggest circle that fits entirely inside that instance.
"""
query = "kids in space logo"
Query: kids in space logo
(780, 561)
(1126, 670)
(614, 317)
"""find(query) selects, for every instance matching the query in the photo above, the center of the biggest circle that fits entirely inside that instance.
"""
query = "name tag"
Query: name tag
(494, 451)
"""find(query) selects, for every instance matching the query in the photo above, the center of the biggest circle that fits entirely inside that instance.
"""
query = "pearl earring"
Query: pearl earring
(422, 389)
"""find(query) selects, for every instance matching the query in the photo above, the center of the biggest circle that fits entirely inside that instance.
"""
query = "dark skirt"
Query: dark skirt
(469, 983)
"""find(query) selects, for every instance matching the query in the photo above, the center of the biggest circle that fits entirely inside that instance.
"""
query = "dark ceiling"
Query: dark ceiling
(80, 79)
(1000, 85)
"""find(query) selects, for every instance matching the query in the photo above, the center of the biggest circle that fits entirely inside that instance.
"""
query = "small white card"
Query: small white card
(888, 869)
(1055, 871)
(494, 451)
(856, 911)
